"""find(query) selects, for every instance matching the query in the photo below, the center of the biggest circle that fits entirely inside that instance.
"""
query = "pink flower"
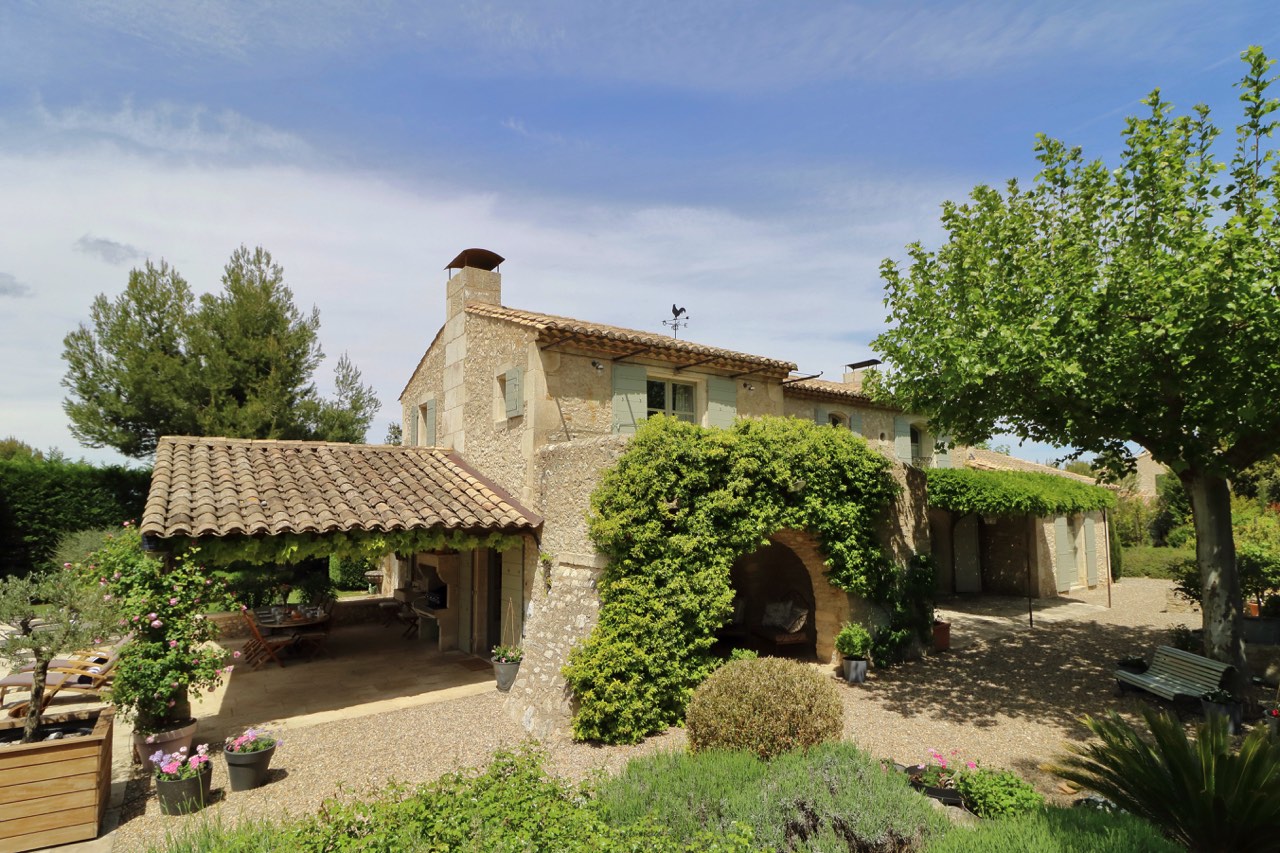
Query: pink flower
(106, 597)
(152, 615)
(116, 576)
(173, 644)
(972, 765)
(66, 565)
(156, 623)
(172, 602)
(235, 654)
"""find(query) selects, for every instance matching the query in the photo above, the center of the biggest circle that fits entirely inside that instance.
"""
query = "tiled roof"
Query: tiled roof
(989, 460)
(222, 486)
(824, 389)
(616, 341)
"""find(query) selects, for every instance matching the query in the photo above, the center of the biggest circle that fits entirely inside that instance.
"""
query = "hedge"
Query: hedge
(965, 490)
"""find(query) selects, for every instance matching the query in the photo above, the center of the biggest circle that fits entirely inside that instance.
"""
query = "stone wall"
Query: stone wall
(496, 445)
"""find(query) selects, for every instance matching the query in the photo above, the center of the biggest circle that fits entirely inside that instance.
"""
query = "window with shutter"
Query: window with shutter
(512, 392)
(629, 397)
(429, 420)
(722, 402)
(902, 438)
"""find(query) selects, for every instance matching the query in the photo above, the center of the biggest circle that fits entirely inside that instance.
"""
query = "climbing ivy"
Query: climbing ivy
(289, 548)
(965, 490)
(681, 504)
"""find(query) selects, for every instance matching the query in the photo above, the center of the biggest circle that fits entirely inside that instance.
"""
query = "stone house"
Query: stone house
(542, 404)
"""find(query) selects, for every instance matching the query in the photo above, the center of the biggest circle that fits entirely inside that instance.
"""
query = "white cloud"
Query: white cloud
(10, 286)
(163, 128)
(369, 252)
(109, 250)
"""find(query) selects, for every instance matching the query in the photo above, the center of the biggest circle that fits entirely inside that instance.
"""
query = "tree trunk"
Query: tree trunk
(1220, 582)
(32, 722)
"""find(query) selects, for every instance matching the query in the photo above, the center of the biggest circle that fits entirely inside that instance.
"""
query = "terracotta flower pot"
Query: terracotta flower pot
(145, 745)
(941, 636)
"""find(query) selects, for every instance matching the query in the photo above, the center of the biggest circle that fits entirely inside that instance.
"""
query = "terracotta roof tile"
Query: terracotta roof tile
(824, 389)
(619, 341)
(975, 457)
(204, 486)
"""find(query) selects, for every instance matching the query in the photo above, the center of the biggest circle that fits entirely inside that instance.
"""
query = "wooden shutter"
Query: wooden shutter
(628, 397)
(821, 415)
(1065, 548)
(902, 438)
(722, 402)
(429, 417)
(514, 394)
(1090, 551)
(855, 423)
(942, 458)
(411, 436)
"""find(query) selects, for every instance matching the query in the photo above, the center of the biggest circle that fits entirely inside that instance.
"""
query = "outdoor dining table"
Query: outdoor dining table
(288, 621)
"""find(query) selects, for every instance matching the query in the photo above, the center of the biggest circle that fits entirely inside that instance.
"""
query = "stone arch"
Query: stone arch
(792, 567)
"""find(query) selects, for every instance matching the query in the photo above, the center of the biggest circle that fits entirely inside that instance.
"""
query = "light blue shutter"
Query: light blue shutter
(855, 423)
(722, 402)
(1065, 549)
(411, 435)
(821, 415)
(1090, 552)
(429, 415)
(942, 458)
(628, 397)
(514, 394)
(902, 438)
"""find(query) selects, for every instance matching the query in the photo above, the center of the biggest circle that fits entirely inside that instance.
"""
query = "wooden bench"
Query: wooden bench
(1174, 672)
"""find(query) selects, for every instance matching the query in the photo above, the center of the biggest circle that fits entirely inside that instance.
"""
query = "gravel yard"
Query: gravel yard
(1006, 696)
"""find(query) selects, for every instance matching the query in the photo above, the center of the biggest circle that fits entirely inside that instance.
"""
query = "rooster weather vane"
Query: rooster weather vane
(675, 322)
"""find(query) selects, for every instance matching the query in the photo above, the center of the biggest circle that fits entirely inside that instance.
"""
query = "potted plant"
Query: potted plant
(171, 654)
(854, 642)
(1133, 663)
(506, 663)
(1227, 704)
(936, 778)
(46, 616)
(248, 756)
(183, 780)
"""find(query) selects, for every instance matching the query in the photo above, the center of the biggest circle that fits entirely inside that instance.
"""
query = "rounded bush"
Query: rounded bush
(767, 706)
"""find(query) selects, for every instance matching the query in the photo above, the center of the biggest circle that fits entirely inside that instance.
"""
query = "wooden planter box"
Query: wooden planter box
(55, 792)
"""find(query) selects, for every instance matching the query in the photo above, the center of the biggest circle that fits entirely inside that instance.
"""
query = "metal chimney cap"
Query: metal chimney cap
(481, 259)
(858, 365)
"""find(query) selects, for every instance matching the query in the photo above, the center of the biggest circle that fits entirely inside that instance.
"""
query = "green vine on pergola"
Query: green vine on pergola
(965, 490)
(682, 503)
(290, 548)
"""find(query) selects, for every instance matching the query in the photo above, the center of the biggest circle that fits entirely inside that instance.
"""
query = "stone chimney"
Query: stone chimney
(473, 277)
(854, 373)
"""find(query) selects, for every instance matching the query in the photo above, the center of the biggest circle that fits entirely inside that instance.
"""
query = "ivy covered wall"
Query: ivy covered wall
(682, 503)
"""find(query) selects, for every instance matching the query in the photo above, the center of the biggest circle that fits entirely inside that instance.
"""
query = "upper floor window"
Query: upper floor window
(836, 419)
(677, 399)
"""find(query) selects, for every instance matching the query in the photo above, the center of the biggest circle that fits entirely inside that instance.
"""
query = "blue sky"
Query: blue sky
(752, 161)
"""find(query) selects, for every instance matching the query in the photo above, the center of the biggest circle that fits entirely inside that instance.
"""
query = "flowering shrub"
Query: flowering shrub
(179, 765)
(171, 652)
(940, 771)
(252, 740)
(508, 654)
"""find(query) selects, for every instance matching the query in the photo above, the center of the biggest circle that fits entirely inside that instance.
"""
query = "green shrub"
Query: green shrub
(74, 547)
(1184, 638)
(1146, 561)
(1074, 830)
(1116, 552)
(743, 654)
(854, 640)
(42, 500)
(997, 793)
(765, 706)
(833, 797)
(889, 646)
(1201, 792)
(348, 573)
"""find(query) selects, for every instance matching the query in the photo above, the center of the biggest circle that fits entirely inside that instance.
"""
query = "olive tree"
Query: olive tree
(1103, 305)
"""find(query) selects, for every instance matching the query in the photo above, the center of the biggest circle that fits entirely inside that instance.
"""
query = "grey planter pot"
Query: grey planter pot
(505, 673)
(1234, 713)
(855, 670)
(183, 796)
(248, 770)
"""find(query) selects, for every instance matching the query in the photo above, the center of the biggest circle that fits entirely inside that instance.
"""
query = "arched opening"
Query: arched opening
(774, 604)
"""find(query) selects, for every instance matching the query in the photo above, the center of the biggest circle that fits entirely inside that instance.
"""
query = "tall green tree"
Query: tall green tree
(1103, 306)
(239, 363)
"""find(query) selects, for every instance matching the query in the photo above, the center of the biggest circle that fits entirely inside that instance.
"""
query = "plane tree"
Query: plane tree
(1102, 306)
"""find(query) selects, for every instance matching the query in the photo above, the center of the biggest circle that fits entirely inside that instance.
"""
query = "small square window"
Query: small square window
(677, 399)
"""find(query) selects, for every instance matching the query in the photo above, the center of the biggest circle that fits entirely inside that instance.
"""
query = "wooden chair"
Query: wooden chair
(261, 649)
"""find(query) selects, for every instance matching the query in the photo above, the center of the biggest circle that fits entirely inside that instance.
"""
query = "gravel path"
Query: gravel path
(1006, 696)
